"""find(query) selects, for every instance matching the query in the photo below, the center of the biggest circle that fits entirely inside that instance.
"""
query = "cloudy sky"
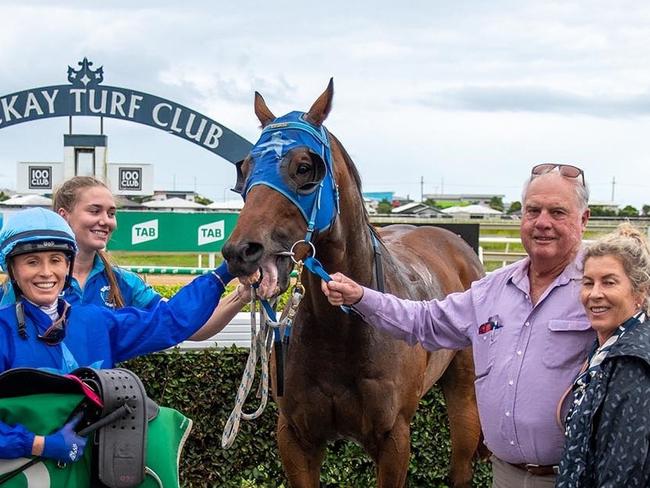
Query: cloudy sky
(467, 95)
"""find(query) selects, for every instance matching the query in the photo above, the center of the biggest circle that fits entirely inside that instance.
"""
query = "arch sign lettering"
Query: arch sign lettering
(86, 96)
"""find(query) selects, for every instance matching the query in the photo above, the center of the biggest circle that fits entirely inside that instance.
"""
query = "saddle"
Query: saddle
(116, 408)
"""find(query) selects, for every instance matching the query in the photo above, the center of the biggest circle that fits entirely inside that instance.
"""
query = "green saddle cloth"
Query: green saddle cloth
(46, 413)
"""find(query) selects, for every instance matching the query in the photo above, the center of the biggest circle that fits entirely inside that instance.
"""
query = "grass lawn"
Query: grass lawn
(160, 259)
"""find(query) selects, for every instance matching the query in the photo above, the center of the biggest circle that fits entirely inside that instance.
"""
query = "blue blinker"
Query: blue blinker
(318, 203)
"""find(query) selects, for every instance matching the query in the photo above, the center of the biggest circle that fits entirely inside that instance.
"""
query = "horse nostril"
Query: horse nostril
(251, 252)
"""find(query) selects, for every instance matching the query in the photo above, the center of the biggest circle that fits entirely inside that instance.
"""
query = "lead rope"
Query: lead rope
(261, 342)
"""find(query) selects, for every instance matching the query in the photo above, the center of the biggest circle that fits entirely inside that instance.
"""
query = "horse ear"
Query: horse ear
(321, 107)
(263, 113)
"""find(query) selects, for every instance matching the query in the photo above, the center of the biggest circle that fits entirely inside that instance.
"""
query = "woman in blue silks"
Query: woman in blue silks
(41, 330)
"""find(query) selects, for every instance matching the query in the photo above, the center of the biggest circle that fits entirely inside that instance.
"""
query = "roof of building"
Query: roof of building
(414, 207)
(28, 201)
(472, 209)
(235, 204)
(173, 203)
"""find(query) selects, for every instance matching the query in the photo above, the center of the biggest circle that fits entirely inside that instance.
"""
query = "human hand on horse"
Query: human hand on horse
(342, 290)
(264, 288)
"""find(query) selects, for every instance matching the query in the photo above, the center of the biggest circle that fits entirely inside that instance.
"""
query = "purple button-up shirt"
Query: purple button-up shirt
(523, 365)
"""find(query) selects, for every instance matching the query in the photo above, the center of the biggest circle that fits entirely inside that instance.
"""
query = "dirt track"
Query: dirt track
(161, 279)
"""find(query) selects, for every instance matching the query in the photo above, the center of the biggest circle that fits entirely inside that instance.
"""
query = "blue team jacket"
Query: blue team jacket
(99, 337)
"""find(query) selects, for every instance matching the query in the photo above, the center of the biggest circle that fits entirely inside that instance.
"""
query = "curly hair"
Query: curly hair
(630, 246)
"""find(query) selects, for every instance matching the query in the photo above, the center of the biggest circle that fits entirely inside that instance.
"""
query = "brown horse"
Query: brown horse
(343, 378)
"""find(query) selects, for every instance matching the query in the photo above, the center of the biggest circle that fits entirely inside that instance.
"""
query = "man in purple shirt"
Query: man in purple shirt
(526, 325)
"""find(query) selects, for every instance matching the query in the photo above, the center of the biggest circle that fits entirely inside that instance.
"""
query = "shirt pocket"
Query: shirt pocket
(485, 351)
(566, 342)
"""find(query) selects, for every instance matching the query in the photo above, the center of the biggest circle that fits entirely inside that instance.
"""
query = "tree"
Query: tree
(3, 196)
(384, 207)
(430, 202)
(600, 211)
(514, 207)
(202, 200)
(645, 210)
(628, 211)
(496, 203)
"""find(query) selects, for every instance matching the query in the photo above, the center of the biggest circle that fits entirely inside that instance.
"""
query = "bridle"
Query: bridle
(319, 203)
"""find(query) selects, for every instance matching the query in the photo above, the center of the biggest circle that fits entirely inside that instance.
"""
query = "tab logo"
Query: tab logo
(212, 232)
(144, 232)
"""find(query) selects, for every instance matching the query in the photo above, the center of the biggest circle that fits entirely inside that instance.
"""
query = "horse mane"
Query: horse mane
(355, 176)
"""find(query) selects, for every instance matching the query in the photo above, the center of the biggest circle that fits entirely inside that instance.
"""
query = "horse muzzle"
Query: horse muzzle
(243, 258)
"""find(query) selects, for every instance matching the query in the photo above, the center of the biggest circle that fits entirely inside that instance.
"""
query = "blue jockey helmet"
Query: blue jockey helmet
(36, 230)
(318, 202)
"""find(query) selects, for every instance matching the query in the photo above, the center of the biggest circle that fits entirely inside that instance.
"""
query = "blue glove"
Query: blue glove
(65, 445)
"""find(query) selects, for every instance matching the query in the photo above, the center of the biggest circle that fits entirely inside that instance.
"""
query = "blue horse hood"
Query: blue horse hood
(320, 207)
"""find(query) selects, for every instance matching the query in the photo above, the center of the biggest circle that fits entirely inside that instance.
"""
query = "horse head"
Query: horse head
(290, 192)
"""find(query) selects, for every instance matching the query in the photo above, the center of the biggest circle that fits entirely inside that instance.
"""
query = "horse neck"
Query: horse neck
(348, 247)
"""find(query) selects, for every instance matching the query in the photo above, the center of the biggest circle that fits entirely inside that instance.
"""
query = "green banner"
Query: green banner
(171, 231)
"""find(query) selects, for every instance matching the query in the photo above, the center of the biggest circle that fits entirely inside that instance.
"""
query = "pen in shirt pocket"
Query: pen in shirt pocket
(493, 323)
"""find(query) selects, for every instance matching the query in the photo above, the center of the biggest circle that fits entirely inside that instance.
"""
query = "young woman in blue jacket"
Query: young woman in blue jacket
(89, 207)
(42, 330)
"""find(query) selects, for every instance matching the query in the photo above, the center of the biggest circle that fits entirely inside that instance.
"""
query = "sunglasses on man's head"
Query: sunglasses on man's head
(566, 170)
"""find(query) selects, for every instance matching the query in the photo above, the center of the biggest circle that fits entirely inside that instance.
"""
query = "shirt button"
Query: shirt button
(511, 382)
(527, 324)
(512, 443)
(507, 414)
(518, 353)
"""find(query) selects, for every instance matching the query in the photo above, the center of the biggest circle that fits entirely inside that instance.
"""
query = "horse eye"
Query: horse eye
(303, 169)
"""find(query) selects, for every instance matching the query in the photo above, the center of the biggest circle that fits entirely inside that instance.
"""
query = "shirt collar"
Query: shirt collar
(98, 267)
(38, 316)
(572, 272)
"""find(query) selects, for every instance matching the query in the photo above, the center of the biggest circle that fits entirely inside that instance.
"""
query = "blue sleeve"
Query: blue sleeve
(142, 294)
(134, 332)
(15, 441)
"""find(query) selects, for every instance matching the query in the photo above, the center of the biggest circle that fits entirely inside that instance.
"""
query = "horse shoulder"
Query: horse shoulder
(431, 260)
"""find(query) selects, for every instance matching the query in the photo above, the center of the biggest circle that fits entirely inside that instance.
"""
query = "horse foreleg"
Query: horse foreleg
(393, 453)
(301, 463)
(458, 387)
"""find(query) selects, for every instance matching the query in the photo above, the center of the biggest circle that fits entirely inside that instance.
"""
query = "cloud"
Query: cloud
(537, 99)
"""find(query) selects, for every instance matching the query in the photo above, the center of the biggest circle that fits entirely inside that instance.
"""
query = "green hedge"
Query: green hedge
(203, 384)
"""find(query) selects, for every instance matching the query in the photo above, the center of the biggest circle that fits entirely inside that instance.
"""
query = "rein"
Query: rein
(260, 347)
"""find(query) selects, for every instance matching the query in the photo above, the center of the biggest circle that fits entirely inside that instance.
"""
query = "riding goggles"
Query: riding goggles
(55, 333)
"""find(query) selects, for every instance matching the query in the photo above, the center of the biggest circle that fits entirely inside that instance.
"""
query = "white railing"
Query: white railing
(237, 332)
